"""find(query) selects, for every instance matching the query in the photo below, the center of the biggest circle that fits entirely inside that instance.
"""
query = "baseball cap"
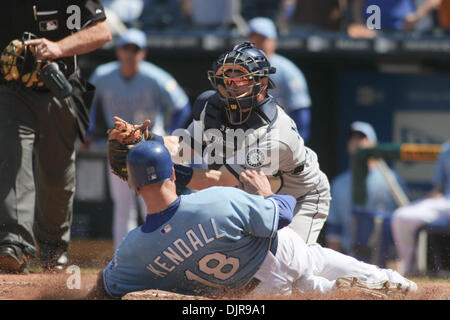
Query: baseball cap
(366, 129)
(263, 26)
(133, 36)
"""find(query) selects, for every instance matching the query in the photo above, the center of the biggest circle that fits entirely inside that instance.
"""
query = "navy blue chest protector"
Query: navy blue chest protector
(265, 113)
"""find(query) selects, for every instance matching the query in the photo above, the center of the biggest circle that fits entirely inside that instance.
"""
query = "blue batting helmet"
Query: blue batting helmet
(147, 163)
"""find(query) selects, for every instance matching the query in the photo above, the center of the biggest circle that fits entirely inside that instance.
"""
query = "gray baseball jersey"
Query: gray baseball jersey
(272, 145)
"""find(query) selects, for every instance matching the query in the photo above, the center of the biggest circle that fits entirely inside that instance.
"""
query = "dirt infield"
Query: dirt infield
(44, 286)
(89, 257)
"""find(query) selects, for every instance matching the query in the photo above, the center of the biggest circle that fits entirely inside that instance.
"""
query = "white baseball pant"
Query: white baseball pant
(310, 267)
(408, 219)
(311, 211)
(125, 208)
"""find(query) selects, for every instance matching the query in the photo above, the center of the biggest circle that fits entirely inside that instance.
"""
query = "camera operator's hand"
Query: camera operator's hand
(46, 49)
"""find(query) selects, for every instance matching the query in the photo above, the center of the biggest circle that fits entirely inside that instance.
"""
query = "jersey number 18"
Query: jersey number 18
(221, 261)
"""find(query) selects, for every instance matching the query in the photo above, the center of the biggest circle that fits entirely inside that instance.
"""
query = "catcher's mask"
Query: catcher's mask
(19, 63)
(148, 162)
(237, 76)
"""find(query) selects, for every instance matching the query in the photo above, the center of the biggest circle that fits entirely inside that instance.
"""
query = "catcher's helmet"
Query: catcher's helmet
(147, 163)
(236, 76)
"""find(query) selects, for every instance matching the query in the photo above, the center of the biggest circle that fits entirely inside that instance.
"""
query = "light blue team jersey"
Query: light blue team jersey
(216, 238)
(151, 94)
(292, 89)
(379, 198)
(442, 172)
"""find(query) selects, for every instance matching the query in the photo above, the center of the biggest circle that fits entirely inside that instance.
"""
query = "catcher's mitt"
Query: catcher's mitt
(19, 64)
(121, 138)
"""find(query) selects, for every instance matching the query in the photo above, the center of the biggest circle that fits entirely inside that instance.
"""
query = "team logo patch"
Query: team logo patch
(167, 228)
(255, 158)
(151, 173)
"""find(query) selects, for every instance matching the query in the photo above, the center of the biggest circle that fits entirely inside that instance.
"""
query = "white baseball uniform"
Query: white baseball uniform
(302, 267)
(275, 147)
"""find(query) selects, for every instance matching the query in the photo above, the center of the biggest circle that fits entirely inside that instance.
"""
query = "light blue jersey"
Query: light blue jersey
(151, 94)
(211, 240)
(379, 198)
(292, 90)
(442, 172)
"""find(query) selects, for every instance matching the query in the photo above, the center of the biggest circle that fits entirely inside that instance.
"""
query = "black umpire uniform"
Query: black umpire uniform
(37, 138)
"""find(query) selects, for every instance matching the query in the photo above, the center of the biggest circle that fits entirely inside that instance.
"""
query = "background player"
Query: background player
(135, 90)
(186, 247)
(435, 208)
(340, 232)
(270, 140)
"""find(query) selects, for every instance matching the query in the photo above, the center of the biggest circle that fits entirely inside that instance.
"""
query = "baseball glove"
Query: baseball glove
(19, 64)
(121, 138)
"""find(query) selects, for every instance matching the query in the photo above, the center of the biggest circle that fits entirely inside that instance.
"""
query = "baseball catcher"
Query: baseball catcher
(266, 139)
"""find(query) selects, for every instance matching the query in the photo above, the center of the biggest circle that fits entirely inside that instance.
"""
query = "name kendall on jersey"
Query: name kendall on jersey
(180, 249)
